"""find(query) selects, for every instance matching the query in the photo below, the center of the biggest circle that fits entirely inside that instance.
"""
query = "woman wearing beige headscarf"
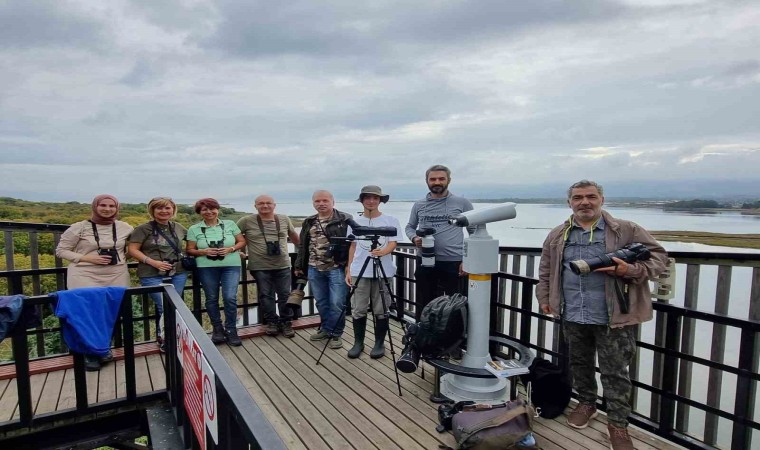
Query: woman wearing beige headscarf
(95, 247)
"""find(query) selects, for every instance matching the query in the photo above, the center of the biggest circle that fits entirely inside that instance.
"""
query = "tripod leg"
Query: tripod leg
(386, 315)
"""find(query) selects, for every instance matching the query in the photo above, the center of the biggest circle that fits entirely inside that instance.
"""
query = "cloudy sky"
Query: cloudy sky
(230, 99)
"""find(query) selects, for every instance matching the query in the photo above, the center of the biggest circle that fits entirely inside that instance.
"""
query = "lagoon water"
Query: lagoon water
(534, 221)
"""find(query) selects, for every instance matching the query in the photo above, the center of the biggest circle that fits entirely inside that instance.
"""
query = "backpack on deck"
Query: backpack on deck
(549, 389)
(442, 325)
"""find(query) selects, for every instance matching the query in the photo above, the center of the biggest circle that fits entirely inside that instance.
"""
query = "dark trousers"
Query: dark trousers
(271, 284)
(432, 282)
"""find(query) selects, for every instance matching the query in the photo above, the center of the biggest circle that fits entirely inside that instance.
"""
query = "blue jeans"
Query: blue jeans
(330, 290)
(178, 280)
(268, 284)
(211, 279)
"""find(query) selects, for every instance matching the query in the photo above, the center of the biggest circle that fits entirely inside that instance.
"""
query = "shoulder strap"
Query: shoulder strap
(261, 227)
(171, 242)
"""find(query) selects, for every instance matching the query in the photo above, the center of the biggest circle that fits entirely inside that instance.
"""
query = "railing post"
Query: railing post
(197, 309)
(129, 348)
(399, 282)
(525, 318)
(670, 374)
(20, 345)
(743, 408)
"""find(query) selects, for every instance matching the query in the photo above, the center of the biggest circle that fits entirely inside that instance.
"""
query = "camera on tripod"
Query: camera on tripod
(427, 251)
(630, 254)
(109, 252)
(215, 244)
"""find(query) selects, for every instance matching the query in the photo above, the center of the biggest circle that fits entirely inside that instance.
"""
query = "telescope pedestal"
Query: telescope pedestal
(481, 254)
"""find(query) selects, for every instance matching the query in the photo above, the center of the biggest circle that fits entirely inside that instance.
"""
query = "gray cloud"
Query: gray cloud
(198, 97)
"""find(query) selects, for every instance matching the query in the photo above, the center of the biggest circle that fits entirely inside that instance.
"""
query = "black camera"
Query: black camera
(173, 270)
(215, 244)
(630, 254)
(273, 248)
(109, 252)
(410, 355)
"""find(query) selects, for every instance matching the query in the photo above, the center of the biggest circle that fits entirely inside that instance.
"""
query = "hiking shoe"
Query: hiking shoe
(233, 339)
(217, 336)
(91, 363)
(619, 438)
(287, 330)
(581, 415)
(272, 329)
(336, 342)
(320, 336)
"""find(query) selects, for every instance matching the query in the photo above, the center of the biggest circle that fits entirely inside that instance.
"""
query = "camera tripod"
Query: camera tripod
(384, 287)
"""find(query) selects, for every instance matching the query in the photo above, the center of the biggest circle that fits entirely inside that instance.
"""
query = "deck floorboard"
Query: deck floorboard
(354, 403)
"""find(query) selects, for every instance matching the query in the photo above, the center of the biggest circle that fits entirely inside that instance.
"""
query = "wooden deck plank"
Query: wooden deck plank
(342, 413)
(106, 387)
(68, 397)
(315, 408)
(142, 375)
(157, 372)
(284, 423)
(121, 381)
(50, 393)
(37, 382)
(8, 401)
(289, 437)
(366, 388)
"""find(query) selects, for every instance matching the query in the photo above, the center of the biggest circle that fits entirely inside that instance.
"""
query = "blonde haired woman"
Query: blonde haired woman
(157, 246)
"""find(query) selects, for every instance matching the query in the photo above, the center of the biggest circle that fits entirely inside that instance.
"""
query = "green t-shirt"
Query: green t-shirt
(156, 247)
(258, 259)
(202, 235)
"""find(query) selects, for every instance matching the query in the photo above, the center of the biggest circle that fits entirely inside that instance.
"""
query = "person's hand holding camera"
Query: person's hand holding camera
(620, 269)
(161, 266)
(417, 241)
(94, 258)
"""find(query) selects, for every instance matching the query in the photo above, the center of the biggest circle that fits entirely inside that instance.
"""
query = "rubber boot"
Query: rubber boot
(360, 327)
(381, 329)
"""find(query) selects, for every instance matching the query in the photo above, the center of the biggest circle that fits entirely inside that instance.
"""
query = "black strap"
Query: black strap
(203, 230)
(172, 244)
(97, 236)
(276, 224)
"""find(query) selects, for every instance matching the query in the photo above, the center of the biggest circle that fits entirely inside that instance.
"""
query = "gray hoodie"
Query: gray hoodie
(434, 213)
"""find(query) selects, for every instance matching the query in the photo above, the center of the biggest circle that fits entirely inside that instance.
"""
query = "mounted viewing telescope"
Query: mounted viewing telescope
(481, 259)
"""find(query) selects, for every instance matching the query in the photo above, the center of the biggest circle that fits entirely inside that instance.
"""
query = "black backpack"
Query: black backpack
(550, 391)
(442, 325)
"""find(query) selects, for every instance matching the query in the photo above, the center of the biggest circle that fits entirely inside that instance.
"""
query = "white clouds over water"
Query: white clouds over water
(229, 99)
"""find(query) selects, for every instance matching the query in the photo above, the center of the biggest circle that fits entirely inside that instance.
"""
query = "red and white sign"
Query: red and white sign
(199, 385)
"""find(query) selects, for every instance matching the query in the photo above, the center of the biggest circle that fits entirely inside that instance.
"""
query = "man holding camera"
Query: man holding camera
(324, 263)
(430, 217)
(600, 309)
(266, 236)
(369, 286)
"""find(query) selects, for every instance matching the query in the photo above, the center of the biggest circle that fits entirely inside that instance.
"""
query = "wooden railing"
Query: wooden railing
(696, 372)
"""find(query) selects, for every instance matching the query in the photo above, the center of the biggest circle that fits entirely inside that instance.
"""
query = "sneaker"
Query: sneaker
(619, 438)
(581, 415)
(272, 329)
(217, 336)
(320, 336)
(336, 342)
(233, 339)
(287, 330)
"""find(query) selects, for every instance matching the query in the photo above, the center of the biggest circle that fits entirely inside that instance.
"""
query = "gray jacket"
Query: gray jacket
(434, 213)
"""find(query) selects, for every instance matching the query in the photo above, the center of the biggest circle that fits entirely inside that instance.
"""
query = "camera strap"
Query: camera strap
(174, 245)
(203, 231)
(276, 224)
(97, 236)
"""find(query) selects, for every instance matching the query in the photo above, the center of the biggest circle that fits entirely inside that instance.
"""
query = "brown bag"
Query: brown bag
(495, 428)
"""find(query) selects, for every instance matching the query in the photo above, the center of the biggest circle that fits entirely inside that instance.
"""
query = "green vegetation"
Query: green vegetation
(692, 204)
(751, 205)
(15, 210)
(703, 237)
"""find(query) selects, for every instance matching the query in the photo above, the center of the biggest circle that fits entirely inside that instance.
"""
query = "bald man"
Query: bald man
(266, 236)
(324, 262)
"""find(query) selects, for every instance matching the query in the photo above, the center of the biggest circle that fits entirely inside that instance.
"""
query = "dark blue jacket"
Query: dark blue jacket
(10, 311)
(89, 316)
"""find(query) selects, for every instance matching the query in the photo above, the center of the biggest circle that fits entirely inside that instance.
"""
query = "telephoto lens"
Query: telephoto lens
(630, 254)
(427, 251)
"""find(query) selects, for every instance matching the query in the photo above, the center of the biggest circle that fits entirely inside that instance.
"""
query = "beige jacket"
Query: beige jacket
(617, 234)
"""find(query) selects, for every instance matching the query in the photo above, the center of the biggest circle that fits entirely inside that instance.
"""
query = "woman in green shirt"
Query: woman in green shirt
(216, 245)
